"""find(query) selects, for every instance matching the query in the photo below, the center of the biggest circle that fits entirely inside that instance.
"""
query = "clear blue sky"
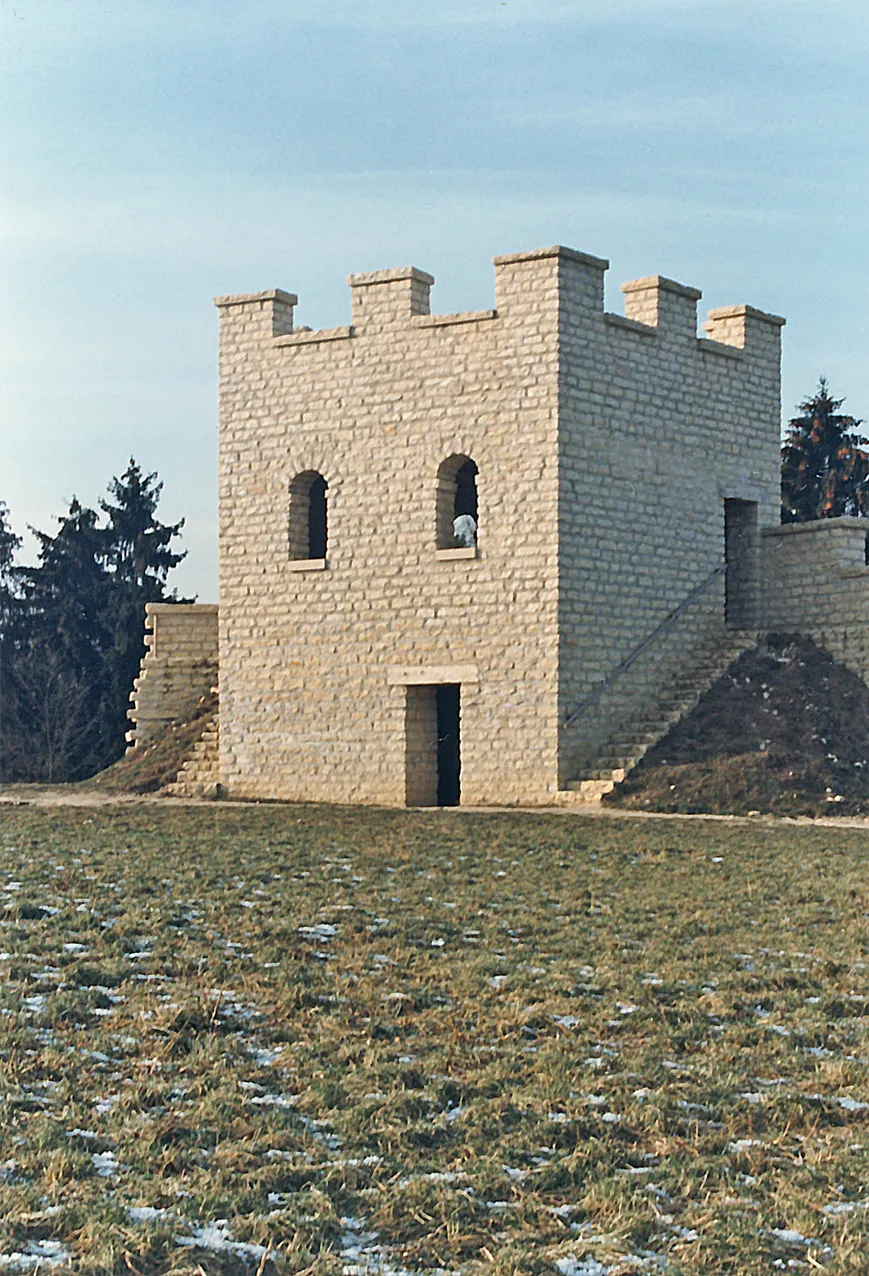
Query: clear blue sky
(153, 154)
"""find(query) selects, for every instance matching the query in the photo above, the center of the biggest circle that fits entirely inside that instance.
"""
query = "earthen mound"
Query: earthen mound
(150, 767)
(784, 731)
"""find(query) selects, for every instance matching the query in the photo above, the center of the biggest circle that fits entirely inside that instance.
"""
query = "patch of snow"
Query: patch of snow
(35, 1255)
(789, 1236)
(216, 1238)
(571, 1266)
(275, 1100)
(845, 1207)
(322, 931)
(105, 1164)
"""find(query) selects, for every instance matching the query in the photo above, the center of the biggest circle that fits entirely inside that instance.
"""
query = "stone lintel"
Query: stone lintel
(430, 675)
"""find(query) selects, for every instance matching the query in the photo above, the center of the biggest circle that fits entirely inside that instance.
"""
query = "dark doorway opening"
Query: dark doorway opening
(741, 554)
(449, 748)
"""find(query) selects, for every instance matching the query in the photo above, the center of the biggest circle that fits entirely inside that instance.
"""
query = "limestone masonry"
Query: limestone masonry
(488, 557)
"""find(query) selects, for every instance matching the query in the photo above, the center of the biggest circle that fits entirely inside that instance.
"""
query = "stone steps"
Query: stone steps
(199, 775)
(623, 751)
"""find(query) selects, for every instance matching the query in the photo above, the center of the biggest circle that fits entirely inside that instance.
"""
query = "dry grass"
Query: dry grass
(146, 769)
(503, 1044)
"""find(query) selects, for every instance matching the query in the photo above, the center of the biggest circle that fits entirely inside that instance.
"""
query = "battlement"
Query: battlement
(546, 283)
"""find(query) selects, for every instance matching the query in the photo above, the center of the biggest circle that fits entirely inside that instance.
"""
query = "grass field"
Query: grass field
(298, 1039)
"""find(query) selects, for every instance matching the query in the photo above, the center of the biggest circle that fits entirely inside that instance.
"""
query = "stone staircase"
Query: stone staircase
(624, 750)
(199, 776)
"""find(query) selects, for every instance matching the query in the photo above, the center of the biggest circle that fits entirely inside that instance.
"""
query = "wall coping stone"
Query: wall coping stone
(555, 250)
(460, 316)
(660, 282)
(244, 298)
(719, 347)
(389, 276)
(845, 523)
(180, 609)
(733, 312)
(630, 325)
(313, 336)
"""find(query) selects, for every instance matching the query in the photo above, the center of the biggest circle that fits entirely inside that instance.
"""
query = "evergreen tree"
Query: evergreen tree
(9, 545)
(138, 559)
(139, 550)
(75, 638)
(825, 471)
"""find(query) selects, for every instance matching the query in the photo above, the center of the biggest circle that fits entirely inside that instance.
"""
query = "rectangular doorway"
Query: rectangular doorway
(449, 750)
(742, 557)
(432, 745)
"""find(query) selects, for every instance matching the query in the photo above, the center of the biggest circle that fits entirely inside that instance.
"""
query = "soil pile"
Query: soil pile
(147, 769)
(785, 730)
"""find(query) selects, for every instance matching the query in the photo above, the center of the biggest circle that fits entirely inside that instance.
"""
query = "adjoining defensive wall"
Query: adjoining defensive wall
(178, 669)
(816, 582)
(623, 467)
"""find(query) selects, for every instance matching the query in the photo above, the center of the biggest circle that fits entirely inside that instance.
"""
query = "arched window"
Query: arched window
(457, 516)
(307, 522)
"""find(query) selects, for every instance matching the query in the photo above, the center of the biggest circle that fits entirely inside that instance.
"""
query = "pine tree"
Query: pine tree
(138, 559)
(9, 545)
(75, 640)
(825, 471)
(139, 552)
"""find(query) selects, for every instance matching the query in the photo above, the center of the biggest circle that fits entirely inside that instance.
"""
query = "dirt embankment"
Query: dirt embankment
(147, 769)
(785, 731)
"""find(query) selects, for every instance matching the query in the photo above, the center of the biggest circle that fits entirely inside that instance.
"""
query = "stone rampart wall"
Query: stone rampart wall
(816, 582)
(179, 667)
(659, 427)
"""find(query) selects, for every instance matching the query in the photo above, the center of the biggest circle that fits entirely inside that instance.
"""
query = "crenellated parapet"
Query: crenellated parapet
(531, 288)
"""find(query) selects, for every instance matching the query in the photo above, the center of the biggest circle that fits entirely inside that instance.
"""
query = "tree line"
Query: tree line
(72, 626)
(72, 630)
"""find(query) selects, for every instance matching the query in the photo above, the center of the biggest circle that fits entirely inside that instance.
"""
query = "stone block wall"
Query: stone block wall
(816, 582)
(317, 657)
(179, 666)
(606, 447)
(659, 429)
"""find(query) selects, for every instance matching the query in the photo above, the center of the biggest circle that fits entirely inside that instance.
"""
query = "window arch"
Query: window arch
(457, 510)
(307, 520)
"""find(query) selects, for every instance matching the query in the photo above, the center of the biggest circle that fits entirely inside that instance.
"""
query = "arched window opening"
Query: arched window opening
(307, 522)
(457, 513)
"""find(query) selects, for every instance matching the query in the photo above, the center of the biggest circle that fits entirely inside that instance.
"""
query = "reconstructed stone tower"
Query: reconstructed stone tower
(617, 471)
